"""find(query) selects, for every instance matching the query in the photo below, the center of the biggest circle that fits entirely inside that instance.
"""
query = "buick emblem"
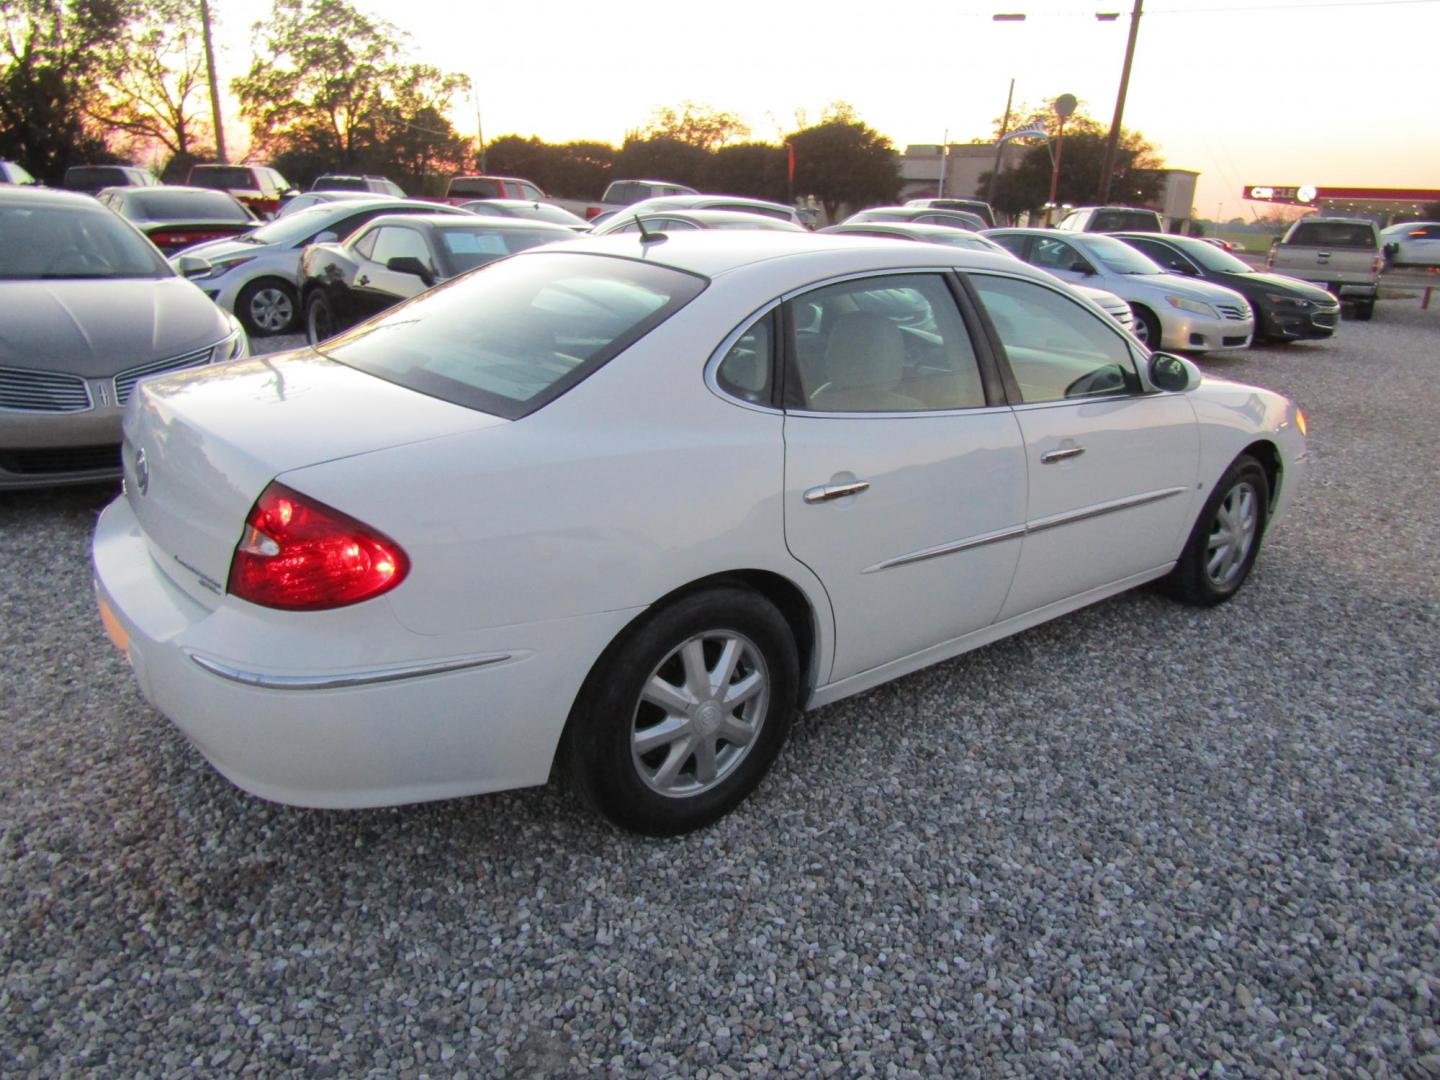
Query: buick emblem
(142, 472)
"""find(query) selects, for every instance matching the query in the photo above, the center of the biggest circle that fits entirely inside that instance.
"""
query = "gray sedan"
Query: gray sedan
(90, 308)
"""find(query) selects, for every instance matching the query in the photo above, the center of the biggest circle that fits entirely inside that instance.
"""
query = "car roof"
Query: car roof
(714, 252)
(918, 229)
(701, 215)
(46, 196)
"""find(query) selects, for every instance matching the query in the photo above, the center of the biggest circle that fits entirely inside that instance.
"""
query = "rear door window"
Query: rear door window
(517, 334)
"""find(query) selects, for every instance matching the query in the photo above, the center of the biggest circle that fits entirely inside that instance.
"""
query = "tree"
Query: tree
(753, 169)
(841, 160)
(51, 54)
(575, 170)
(661, 158)
(696, 125)
(1025, 185)
(415, 137)
(154, 81)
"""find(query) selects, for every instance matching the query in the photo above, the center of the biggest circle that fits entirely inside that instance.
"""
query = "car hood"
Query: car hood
(1293, 286)
(220, 249)
(96, 328)
(1177, 285)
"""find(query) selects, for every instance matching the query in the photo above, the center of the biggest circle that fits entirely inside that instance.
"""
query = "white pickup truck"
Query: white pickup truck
(1339, 254)
(620, 194)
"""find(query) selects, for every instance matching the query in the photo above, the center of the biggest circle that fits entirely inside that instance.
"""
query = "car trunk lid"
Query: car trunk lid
(201, 446)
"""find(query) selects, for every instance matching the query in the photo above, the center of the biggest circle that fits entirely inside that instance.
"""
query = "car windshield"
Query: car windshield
(474, 187)
(302, 224)
(186, 206)
(66, 241)
(223, 177)
(1218, 259)
(1118, 256)
(93, 177)
(516, 335)
(340, 183)
(466, 247)
(1120, 220)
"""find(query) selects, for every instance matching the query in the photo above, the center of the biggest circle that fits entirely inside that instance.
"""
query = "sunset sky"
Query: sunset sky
(1277, 92)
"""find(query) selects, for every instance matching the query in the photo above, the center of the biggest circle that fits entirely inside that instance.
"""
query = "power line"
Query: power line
(1239, 9)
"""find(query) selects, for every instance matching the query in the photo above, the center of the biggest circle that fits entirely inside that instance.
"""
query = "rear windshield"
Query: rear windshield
(1333, 234)
(94, 177)
(223, 177)
(1125, 221)
(516, 335)
(467, 247)
(73, 242)
(474, 187)
(187, 206)
(340, 183)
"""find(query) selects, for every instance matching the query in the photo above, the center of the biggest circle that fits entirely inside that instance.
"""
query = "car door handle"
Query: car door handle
(1052, 456)
(363, 279)
(830, 492)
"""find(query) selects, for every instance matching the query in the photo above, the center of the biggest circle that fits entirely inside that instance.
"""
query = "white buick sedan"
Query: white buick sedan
(623, 505)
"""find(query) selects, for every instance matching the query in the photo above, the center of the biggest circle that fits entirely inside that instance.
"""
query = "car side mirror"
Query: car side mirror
(193, 266)
(1173, 373)
(1079, 267)
(409, 264)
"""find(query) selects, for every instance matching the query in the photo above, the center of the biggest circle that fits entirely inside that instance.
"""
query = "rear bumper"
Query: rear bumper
(345, 708)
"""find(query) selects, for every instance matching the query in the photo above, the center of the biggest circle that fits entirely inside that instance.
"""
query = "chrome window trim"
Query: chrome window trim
(717, 357)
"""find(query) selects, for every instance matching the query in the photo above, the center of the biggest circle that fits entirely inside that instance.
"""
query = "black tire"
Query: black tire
(1147, 327)
(320, 322)
(1209, 571)
(605, 747)
(1364, 310)
(268, 306)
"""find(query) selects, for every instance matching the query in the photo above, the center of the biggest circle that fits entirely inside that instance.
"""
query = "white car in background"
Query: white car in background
(257, 275)
(1412, 243)
(1171, 312)
(1108, 302)
(626, 505)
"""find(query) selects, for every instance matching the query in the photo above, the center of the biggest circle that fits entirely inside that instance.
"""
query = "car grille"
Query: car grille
(42, 391)
(1328, 318)
(61, 459)
(126, 380)
(1230, 311)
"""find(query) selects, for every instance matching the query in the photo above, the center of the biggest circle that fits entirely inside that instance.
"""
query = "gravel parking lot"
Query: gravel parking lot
(1140, 839)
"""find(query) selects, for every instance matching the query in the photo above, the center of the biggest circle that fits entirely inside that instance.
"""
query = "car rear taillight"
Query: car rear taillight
(301, 555)
(1377, 264)
(592, 212)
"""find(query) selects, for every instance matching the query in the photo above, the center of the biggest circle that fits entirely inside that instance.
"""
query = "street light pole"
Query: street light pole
(1108, 165)
(1000, 145)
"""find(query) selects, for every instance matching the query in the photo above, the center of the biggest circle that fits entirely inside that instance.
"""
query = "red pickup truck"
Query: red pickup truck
(463, 189)
(259, 187)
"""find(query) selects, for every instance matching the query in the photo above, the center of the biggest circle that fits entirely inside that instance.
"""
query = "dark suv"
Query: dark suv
(91, 178)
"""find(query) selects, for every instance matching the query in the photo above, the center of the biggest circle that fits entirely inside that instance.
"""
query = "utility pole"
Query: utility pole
(214, 85)
(944, 160)
(1108, 167)
(1000, 145)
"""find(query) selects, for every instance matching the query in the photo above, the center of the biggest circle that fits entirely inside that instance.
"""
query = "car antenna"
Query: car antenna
(649, 237)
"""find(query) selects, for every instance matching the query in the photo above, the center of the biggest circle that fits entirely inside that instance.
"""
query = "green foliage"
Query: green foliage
(52, 54)
(843, 161)
(330, 83)
(697, 125)
(662, 158)
(1024, 184)
(574, 170)
(753, 169)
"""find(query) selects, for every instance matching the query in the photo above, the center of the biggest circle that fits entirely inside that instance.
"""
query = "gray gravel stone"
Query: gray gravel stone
(1141, 839)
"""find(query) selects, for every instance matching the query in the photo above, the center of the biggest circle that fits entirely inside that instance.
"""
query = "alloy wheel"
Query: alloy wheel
(1237, 521)
(699, 713)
